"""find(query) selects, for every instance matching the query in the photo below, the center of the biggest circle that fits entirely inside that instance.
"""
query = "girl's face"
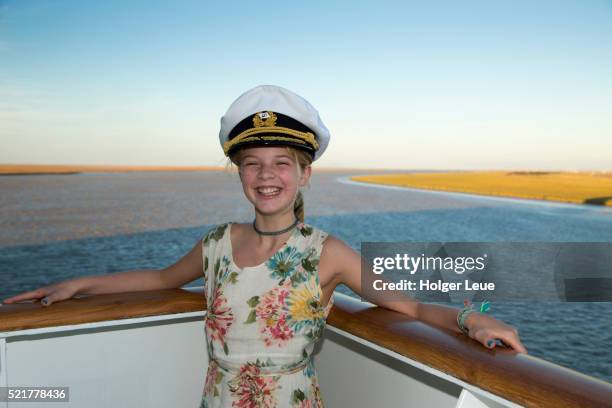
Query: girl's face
(271, 179)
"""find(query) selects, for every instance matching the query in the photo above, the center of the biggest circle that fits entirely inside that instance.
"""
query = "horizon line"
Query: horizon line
(24, 169)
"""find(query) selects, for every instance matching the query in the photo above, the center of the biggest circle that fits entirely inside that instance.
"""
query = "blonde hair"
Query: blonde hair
(302, 159)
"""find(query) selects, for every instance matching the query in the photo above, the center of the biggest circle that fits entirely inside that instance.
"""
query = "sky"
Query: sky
(405, 85)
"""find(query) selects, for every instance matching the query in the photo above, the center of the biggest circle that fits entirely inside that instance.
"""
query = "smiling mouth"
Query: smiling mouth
(268, 191)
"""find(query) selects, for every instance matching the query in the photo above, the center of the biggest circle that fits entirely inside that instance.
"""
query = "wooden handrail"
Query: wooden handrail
(523, 379)
(520, 378)
(98, 308)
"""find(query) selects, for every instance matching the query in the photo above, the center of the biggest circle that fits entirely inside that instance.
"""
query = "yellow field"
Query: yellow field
(579, 187)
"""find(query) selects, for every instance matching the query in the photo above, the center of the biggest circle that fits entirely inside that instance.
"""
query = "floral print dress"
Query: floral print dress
(263, 322)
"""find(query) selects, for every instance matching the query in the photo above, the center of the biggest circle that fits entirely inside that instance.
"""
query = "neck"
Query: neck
(265, 223)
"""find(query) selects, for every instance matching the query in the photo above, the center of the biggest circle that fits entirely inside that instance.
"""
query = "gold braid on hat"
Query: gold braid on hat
(251, 135)
(265, 122)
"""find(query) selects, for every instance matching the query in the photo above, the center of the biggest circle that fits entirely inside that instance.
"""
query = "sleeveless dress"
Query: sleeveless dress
(263, 322)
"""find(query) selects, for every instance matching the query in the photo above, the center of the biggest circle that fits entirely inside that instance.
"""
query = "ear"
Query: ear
(305, 176)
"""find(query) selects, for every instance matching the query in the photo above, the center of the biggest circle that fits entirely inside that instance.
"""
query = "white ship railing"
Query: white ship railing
(147, 349)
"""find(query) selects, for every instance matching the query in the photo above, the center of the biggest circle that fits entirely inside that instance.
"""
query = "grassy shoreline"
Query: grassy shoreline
(593, 188)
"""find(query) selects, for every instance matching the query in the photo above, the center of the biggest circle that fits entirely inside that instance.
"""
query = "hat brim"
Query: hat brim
(261, 142)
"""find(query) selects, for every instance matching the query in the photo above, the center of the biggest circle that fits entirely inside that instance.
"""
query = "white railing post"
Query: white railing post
(468, 399)
(3, 370)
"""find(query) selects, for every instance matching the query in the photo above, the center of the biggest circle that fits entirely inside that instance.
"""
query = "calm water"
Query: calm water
(59, 227)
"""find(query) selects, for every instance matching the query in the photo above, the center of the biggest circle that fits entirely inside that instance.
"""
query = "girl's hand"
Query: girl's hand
(49, 294)
(486, 329)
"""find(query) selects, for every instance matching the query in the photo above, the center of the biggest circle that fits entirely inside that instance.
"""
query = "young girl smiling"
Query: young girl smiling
(269, 283)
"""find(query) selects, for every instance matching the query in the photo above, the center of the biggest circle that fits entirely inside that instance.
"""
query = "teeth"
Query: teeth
(268, 190)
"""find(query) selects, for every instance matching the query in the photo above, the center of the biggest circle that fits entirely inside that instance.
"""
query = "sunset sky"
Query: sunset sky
(413, 85)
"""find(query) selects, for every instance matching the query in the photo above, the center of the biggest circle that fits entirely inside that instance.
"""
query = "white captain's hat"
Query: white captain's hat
(269, 115)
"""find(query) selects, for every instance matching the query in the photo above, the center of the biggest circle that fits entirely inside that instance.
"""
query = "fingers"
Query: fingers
(492, 338)
(483, 337)
(34, 294)
(58, 293)
(513, 341)
(47, 294)
(51, 297)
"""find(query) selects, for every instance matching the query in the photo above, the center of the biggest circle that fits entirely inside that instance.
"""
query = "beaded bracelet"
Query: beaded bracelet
(461, 316)
(466, 311)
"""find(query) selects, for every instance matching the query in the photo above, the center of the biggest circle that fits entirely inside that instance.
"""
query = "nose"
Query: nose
(266, 172)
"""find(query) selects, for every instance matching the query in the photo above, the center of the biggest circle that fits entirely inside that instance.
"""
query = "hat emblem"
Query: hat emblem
(264, 119)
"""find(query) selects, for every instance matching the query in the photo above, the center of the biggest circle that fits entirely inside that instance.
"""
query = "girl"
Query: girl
(269, 284)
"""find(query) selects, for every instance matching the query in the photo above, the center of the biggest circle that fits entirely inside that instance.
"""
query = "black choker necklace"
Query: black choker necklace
(289, 228)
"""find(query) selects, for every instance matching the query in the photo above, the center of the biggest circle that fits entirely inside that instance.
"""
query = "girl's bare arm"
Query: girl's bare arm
(185, 270)
(346, 264)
